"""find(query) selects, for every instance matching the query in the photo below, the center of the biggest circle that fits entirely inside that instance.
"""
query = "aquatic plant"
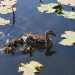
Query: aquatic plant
(48, 8)
(56, 8)
(69, 38)
(8, 6)
(30, 68)
(4, 21)
(68, 14)
(67, 2)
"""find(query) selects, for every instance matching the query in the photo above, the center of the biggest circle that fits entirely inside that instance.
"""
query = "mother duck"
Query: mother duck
(39, 41)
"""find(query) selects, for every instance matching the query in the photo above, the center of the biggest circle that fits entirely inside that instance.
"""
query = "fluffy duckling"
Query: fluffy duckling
(15, 42)
(11, 43)
(21, 41)
(26, 50)
(9, 50)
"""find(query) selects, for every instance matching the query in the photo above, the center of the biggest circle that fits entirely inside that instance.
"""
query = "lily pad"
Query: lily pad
(6, 6)
(50, 8)
(68, 14)
(67, 2)
(69, 38)
(30, 68)
(4, 21)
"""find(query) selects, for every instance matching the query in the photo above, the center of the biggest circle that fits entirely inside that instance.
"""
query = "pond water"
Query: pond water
(29, 19)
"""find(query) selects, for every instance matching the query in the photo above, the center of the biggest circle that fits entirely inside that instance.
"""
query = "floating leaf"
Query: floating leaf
(4, 22)
(69, 38)
(6, 9)
(48, 8)
(67, 2)
(30, 68)
(6, 6)
(9, 2)
(56, 8)
(68, 14)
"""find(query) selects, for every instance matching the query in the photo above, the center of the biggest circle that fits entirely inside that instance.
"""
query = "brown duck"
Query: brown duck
(39, 41)
(15, 42)
(9, 50)
(27, 50)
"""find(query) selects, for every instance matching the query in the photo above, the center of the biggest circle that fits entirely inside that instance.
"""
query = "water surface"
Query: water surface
(29, 19)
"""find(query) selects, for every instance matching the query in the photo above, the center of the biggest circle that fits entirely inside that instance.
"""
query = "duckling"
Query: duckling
(40, 41)
(9, 50)
(11, 43)
(21, 41)
(26, 50)
(15, 42)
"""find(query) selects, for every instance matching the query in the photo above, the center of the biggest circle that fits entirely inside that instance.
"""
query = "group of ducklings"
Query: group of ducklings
(28, 42)
(13, 44)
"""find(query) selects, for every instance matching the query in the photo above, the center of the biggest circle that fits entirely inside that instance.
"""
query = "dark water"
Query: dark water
(29, 19)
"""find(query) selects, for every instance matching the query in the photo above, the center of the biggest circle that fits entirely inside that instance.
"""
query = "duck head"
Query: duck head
(50, 33)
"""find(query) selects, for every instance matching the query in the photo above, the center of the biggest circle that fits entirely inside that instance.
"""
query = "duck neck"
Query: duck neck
(47, 40)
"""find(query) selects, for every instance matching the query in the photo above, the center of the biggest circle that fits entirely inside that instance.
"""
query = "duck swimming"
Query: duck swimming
(15, 42)
(9, 50)
(39, 41)
(26, 50)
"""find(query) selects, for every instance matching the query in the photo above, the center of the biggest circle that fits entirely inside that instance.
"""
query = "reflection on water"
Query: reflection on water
(1, 35)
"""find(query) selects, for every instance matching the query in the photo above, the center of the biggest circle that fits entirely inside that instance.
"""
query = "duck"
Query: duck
(9, 50)
(26, 50)
(11, 43)
(39, 41)
(19, 41)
